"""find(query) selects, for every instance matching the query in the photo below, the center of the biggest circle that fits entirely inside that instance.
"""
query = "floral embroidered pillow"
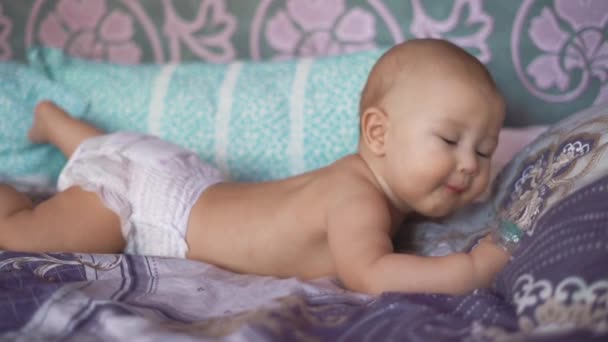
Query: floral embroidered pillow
(558, 277)
(564, 158)
(556, 191)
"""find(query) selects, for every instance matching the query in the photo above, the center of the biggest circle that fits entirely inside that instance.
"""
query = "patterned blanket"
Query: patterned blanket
(48, 297)
(75, 297)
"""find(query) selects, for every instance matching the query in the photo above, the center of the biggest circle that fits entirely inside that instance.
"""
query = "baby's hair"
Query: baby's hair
(435, 55)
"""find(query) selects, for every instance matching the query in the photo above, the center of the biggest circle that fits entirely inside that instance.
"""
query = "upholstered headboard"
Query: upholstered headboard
(550, 57)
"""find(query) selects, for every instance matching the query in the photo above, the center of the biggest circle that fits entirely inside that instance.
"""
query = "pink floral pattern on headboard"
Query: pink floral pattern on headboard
(550, 56)
(5, 32)
(570, 36)
(112, 29)
(88, 29)
(211, 16)
(425, 26)
(306, 28)
(312, 28)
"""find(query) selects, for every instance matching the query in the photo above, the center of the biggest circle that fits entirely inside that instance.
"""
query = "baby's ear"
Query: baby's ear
(374, 122)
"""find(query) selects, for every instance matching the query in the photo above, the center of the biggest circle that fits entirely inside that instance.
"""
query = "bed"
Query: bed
(217, 76)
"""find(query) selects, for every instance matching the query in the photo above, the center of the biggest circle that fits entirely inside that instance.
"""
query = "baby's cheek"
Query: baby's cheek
(483, 192)
(478, 187)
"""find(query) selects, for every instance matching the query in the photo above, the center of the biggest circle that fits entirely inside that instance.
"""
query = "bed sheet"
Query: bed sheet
(77, 297)
(119, 297)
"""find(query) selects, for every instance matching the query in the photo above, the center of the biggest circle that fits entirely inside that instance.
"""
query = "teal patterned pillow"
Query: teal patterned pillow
(254, 120)
(21, 88)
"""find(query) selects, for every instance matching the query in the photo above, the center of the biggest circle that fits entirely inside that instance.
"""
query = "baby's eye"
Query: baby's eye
(483, 155)
(449, 141)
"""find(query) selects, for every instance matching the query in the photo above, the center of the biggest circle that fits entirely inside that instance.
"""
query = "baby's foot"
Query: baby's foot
(43, 112)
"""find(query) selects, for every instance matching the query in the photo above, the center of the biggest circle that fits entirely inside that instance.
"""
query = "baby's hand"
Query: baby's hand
(506, 235)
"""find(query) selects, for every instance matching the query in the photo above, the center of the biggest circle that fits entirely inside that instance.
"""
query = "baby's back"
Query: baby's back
(274, 228)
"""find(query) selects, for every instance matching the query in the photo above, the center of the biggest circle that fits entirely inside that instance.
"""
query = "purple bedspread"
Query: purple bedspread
(108, 297)
(69, 296)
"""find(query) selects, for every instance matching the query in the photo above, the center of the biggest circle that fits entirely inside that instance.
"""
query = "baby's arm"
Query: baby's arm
(359, 238)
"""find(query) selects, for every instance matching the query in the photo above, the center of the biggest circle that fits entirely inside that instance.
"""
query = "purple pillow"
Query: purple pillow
(556, 191)
(558, 277)
(566, 157)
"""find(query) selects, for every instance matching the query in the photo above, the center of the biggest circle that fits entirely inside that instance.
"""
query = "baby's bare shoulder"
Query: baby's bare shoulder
(354, 192)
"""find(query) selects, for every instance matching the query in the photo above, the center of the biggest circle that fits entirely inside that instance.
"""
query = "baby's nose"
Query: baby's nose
(468, 164)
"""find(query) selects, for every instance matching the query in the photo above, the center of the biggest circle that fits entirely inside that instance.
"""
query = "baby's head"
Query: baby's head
(430, 115)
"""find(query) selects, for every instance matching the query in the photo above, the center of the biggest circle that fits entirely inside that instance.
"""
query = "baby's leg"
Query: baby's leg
(71, 221)
(55, 126)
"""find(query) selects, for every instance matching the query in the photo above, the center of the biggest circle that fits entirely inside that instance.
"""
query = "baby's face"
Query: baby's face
(440, 143)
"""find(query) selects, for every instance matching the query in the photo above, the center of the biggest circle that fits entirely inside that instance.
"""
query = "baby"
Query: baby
(430, 116)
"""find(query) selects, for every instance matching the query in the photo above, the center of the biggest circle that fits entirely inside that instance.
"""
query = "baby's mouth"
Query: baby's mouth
(455, 188)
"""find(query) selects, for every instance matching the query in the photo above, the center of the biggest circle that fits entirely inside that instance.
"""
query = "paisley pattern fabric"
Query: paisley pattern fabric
(548, 56)
(557, 278)
(569, 155)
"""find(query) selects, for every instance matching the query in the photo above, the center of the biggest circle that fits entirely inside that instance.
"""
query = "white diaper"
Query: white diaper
(151, 184)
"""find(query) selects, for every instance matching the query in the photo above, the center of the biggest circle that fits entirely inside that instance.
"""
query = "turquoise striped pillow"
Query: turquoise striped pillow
(254, 120)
